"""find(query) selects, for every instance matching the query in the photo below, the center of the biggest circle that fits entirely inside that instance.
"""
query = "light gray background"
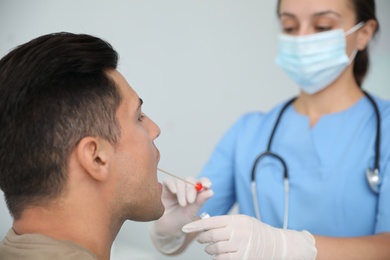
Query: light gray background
(197, 64)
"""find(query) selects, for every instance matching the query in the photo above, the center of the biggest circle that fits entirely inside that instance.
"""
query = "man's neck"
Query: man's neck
(95, 232)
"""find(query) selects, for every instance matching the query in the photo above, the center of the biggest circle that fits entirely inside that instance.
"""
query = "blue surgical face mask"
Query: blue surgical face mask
(315, 61)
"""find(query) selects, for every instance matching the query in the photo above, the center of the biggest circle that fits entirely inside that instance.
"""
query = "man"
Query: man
(76, 151)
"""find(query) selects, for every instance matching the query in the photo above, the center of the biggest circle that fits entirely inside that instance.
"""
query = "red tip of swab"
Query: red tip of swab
(198, 186)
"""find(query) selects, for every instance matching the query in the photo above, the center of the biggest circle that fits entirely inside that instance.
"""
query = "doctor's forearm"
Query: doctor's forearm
(368, 247)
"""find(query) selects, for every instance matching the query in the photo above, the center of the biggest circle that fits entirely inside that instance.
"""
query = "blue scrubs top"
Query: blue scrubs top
(329, 193)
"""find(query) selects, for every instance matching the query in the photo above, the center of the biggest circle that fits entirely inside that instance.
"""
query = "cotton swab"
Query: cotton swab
(198, 186)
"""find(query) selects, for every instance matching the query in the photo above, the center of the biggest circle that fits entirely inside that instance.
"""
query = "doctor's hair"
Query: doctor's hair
(364, 10)
(54, 91)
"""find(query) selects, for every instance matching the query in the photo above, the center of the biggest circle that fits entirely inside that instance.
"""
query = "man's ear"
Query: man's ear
(366, 33)
(93, 155)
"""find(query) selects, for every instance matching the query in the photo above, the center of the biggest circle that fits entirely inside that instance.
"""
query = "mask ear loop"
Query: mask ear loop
(355, 28)
(353, 55)
(350, 31)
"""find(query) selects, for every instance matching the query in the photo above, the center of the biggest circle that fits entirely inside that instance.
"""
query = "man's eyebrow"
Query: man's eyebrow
(286, 14)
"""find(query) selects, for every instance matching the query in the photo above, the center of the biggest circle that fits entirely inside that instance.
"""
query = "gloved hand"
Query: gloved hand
(243, 237)
(182, 204)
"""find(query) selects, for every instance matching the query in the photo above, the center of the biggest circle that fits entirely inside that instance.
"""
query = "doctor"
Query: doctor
(320, 162)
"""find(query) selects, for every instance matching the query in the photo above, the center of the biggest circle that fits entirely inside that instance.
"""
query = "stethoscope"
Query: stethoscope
(372, 174)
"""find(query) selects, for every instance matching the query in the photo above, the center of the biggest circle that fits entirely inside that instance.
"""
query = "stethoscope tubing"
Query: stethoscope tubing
(268, 152)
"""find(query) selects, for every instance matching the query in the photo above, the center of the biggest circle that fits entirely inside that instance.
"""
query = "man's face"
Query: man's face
(135, 159)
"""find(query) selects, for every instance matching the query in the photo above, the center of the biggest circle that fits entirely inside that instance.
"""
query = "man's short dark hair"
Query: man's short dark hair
(54, 91)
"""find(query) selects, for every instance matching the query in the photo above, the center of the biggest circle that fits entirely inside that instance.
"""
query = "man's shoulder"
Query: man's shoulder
(36, 246)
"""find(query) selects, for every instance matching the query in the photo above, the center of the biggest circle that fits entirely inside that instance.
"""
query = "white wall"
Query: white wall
(197, 64)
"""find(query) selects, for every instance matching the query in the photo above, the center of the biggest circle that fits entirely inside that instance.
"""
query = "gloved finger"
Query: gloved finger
(181, 193)
(177, 188)
(222, 247)
(170, 184)
(206, 183)
(191, 191)
(214, 235)
(207, 224)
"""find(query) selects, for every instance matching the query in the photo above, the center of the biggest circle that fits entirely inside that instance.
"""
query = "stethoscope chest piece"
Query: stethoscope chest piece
(373, 179)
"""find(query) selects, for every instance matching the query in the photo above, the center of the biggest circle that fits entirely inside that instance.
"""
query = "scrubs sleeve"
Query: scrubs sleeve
(220, 170)
(383, 215)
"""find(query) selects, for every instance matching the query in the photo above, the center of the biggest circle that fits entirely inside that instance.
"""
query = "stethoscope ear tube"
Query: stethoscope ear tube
(286, 202)
(255, 200)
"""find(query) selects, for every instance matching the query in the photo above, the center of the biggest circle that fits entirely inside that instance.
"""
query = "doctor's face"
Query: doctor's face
(302, 17)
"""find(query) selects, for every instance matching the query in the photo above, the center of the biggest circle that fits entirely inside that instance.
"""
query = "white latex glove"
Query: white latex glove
(243, 237)
(182, 204)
